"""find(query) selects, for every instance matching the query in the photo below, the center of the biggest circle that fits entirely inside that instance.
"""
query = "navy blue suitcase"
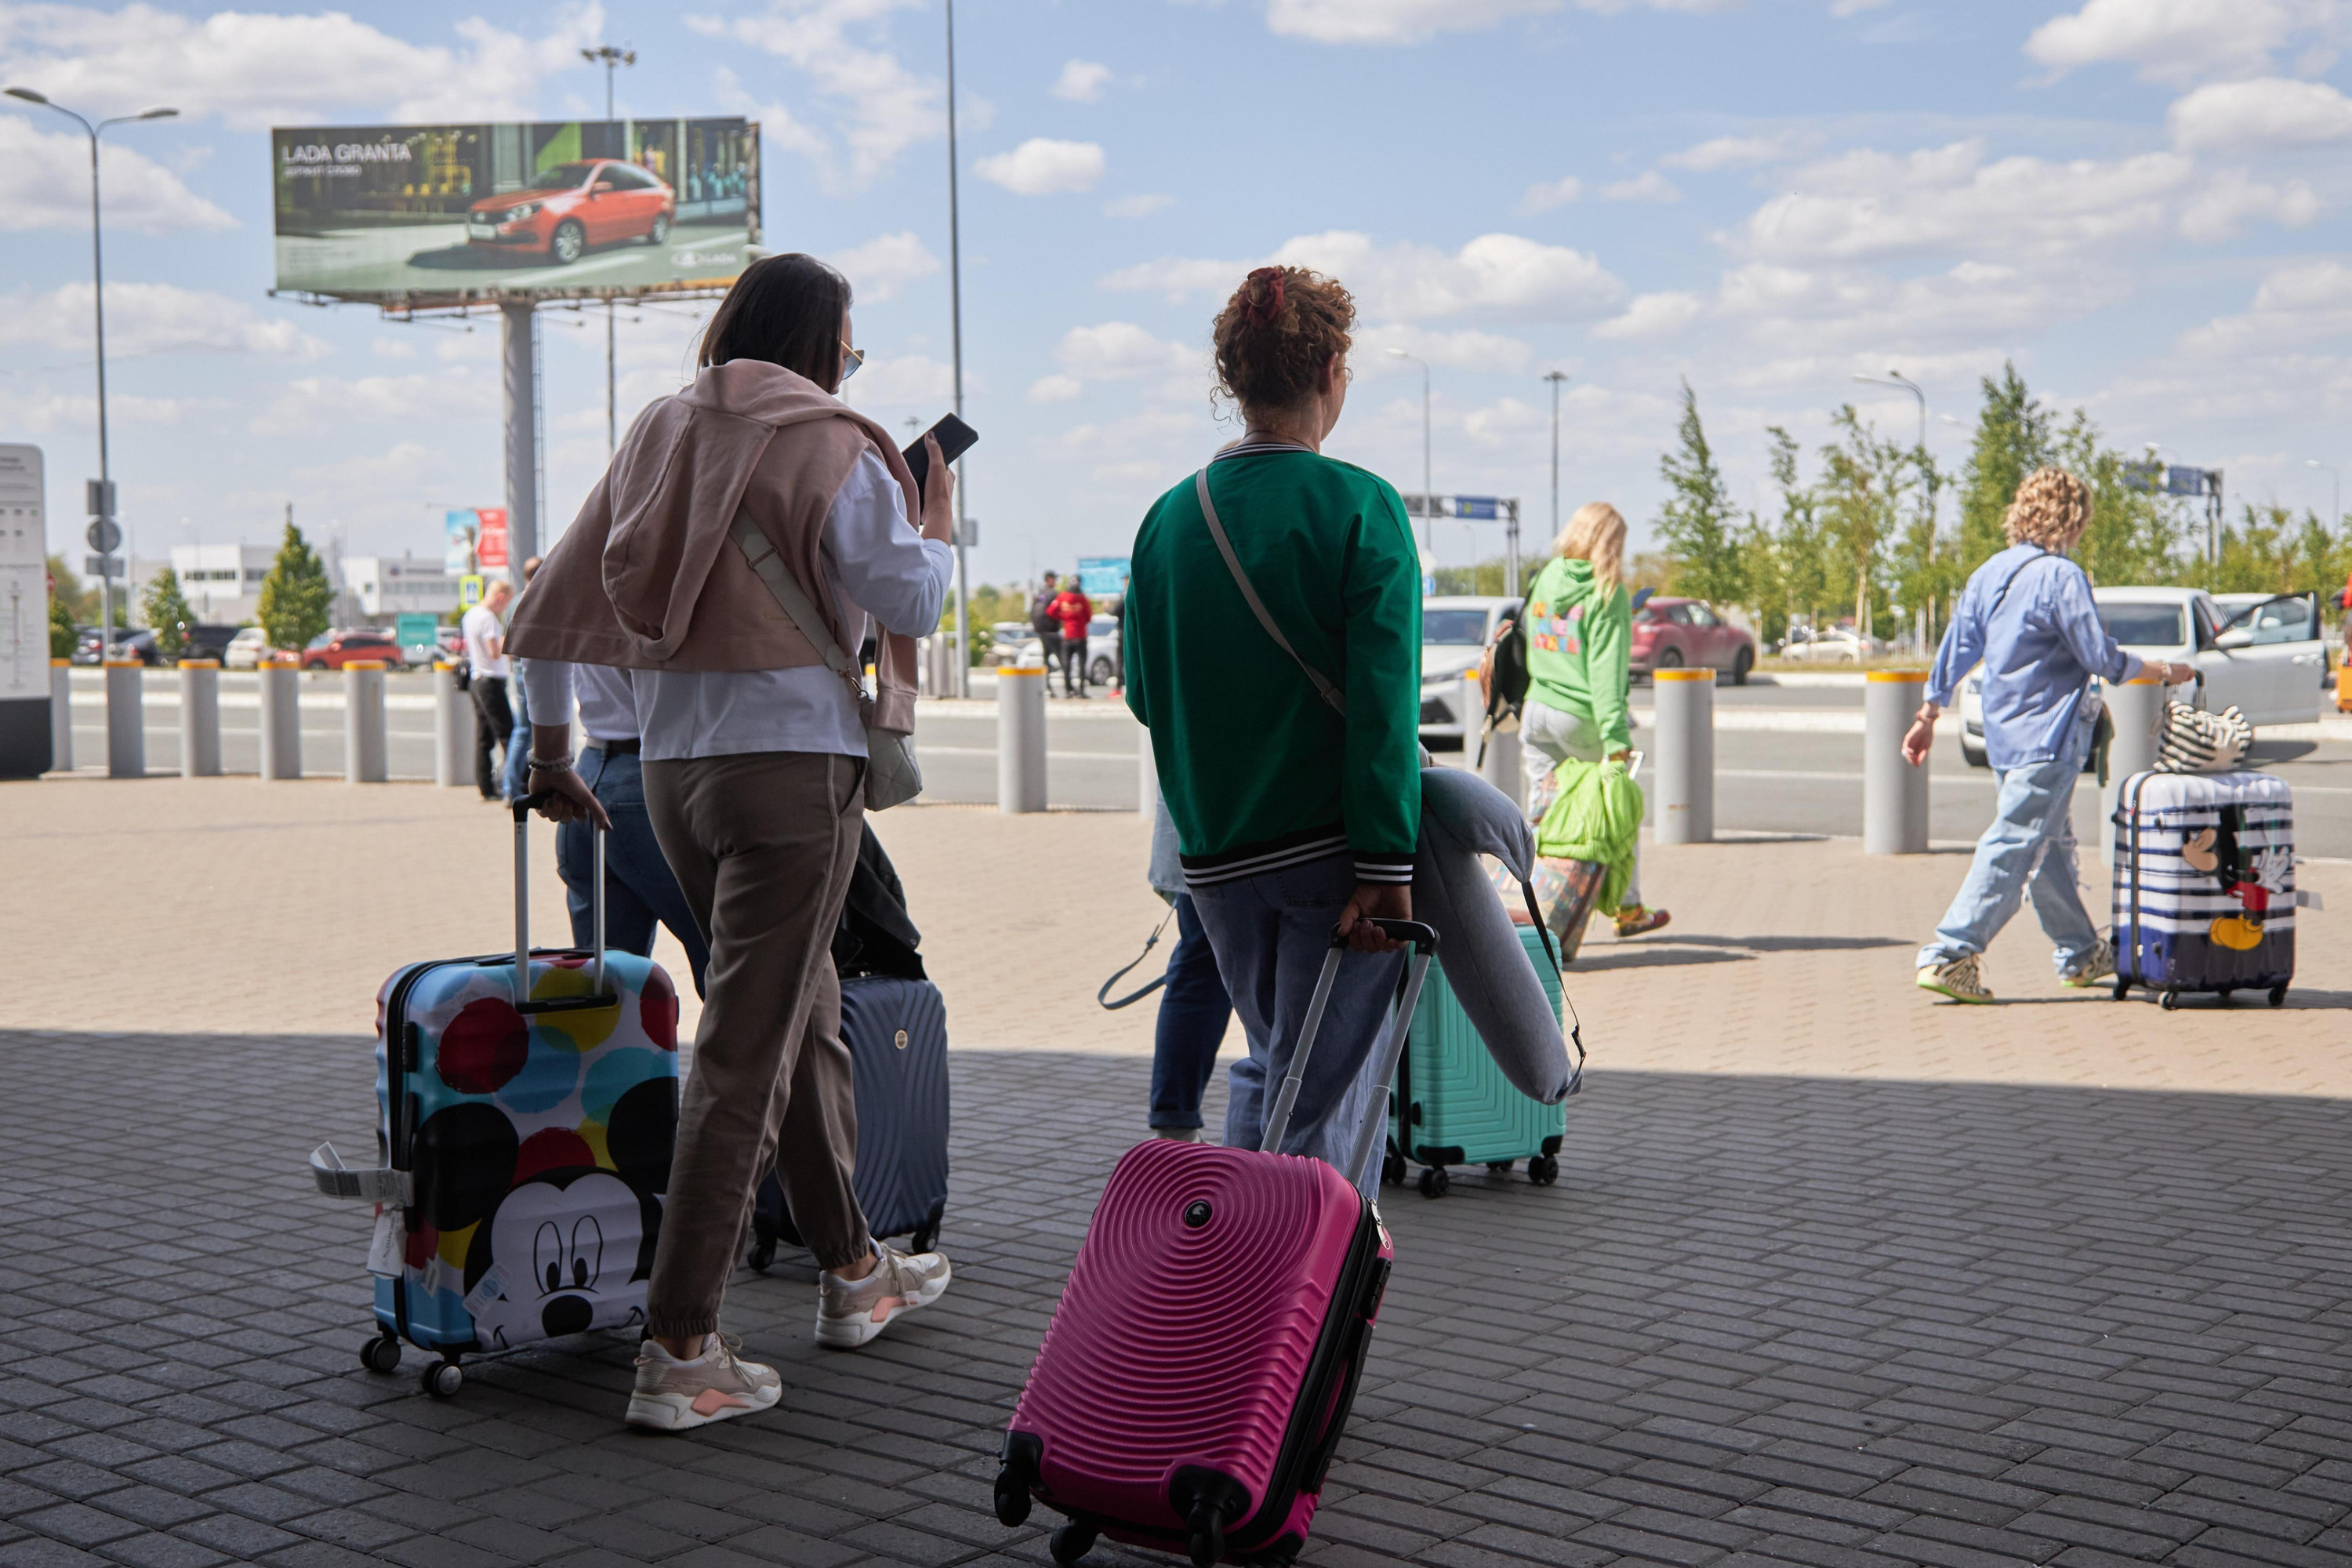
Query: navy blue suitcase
(897, 1030)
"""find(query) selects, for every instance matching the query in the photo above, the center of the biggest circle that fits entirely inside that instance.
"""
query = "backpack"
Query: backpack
(1502, 672)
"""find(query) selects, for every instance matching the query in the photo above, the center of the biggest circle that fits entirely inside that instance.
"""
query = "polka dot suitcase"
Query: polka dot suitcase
(527, 1106)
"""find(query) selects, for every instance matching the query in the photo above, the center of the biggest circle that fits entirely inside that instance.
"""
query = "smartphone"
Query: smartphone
(955, 439)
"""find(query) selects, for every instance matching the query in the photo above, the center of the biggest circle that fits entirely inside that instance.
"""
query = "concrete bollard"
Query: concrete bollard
(1502, 766)
(1684, 704)
(200, 719)
(1894, 793)
(2137, 710)
(1020, 740)
(61, 715)
(364, 743)
(126, 719)
(1147, 776)
(281, 720)
(453, 730)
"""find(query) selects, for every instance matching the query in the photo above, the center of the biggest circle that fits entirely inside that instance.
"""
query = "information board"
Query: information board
(24, 617)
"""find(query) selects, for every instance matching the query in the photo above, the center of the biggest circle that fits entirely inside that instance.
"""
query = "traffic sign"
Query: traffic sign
(99, 494)
(469, 589)
(102, 565)
(105, 536)
(1486, 507)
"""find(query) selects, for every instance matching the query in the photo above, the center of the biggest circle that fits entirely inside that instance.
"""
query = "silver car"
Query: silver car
(1455, 631)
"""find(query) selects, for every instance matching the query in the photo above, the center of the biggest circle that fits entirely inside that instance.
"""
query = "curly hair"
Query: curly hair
(1276, 334)
(2053, 507)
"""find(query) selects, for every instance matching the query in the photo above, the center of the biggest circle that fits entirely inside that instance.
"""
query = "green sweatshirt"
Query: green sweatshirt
(1258, 770)
(1579, 650)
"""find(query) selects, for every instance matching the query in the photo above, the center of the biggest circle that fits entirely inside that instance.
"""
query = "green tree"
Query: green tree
(2269, 550)
(1865, 485)
(296, 594)
(1699, 524)
(80, 599)
(2013, 439)
(64, 632)
(167, 610)
(2135, 535)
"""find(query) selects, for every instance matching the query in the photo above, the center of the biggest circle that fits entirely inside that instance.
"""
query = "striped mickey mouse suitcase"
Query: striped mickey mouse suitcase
(2204, 885)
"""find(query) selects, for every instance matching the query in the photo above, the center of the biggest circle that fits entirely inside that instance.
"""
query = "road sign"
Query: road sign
(1486, 506)
(102, 565)
(1102, 576)
(2182, 480)
(105, 536)
(416, 630)
(99, 497)
(469, 590)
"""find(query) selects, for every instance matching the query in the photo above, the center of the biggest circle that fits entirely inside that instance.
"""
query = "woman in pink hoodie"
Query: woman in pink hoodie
(754, 762)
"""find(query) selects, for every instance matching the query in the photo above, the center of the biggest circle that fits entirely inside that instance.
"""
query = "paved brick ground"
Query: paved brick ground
(1813, 1321)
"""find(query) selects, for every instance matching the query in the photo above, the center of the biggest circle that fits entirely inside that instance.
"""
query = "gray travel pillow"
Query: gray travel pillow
(1461, 817)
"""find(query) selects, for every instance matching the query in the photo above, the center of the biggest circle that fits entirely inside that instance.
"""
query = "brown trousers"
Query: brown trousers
(763, 844)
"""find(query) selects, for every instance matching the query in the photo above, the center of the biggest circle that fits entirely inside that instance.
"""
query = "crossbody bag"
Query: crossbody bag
(1323, 687)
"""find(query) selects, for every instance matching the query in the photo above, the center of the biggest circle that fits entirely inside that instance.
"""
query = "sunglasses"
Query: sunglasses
(850, 360)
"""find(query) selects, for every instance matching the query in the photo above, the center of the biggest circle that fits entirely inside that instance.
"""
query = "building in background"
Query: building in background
(222, 583)
(384, 587)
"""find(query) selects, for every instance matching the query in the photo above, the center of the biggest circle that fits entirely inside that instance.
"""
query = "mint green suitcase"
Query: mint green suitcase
(1454, 1106)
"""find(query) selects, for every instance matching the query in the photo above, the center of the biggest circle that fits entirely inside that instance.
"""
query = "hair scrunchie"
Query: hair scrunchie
(1261, 311)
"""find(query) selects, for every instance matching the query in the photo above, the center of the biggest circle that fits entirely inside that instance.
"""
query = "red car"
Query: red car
(1678, 634)
(596, 201)
(332, 650)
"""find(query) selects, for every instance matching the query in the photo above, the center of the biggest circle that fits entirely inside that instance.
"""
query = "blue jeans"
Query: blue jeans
(639, 888)
(2030, 841)
(510, 782)
(1193, 1012)
(1270, 933)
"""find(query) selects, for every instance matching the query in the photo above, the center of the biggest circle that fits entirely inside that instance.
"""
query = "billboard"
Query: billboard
(440, 215)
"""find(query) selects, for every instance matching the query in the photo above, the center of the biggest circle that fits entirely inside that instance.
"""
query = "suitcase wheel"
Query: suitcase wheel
(2278, 996)
(381, 1353)
(1544, 1170)
(444, 1379)
(2122, 987)
(2225, 994)
(1392, 1169)
(1011, 1498)
(1434, 1182)
(1072, 1541)
(2169, 1000)
(1208, 1526)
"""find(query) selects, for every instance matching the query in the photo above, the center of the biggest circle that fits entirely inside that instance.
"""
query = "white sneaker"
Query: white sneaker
(849, 1312)
(674, 1395)
(2095, 966)
(1957, 979)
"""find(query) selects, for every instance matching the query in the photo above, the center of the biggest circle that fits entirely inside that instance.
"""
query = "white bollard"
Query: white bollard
(126, 719)
(1147, 776)
(1020, 740)
(363, 738)
(453, 730)
(2137, 710)
(200, 719)
(281, 721)
(1894, 793)
(61, 715)
(1683, 702)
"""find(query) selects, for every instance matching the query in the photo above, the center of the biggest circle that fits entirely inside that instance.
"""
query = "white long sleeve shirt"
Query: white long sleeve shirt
(608, 709)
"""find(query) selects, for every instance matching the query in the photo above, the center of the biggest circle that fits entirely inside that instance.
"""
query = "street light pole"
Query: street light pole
(1428, 486)
(1555, 378)
(98, 296)
(955, 325)
(2335, 491)
(613, 59)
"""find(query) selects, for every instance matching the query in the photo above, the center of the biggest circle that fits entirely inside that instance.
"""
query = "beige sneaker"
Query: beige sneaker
(851, 1311)
(674, 1395)
(1957, 979)
(2097, 967)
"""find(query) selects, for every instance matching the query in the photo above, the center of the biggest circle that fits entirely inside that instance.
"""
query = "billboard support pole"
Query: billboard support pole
(519, 381)
(955, 319)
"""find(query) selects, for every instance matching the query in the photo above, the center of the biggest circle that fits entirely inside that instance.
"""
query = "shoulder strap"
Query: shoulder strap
(762, 553)
(2010, 580)
(1328, 693)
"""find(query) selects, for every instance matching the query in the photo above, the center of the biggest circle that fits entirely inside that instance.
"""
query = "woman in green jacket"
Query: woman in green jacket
(1579, 631)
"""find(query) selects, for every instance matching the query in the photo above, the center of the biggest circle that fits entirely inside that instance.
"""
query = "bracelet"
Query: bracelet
(552, 764)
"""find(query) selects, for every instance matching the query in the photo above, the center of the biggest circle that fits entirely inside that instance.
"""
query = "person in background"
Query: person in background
(1048, 629)
(640, 890)
(485, 658)
(1579, 631)
(1193, 1006)
(2027, 614)
(1296, 813)
(510, 779)
(1074, 610)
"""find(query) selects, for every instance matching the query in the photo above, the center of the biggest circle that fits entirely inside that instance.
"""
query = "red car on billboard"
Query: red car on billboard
(570, 206)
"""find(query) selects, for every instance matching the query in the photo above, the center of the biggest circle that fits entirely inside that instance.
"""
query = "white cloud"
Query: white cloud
(1854, 7)
(44, 184)
(1500, 277)
(2176, 41)
(1041, 166)
(877, 267)
(255, 69)
(1544, 196)
(1467, 349)
(1082, 81)
(1137, 206)
(2267, 111)
(1735, 152)
(329, 404)
(1649, 186)
(1392, 21)
(1121, 351)
(882, 107)
(2293, 308)
(1056, 389)
(906, 381)
(148, 319)
(2229, 199)
(1651, 315)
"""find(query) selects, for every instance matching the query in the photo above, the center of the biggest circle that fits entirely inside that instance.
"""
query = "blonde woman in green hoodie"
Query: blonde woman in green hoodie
(1579, 631)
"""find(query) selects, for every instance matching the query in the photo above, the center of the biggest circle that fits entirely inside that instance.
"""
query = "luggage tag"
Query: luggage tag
(384, 1248)
(487, 1290)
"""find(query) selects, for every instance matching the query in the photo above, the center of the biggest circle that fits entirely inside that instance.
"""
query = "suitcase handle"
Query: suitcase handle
(522, 806)
(1424, 947)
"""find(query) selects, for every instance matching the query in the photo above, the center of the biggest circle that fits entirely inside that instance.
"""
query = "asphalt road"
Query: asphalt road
(1767, 781)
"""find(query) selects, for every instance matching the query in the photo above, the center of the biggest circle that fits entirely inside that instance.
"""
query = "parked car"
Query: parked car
(1830, 645)
(1102, 649)
(202, 641)
(1011, 642)
(1454, 631)
(245, 649)
(2266, 658)
(132, 642)
(332, 650)
(1678, 634)
(569, 207)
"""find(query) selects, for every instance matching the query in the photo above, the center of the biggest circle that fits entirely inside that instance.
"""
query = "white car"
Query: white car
(2259, 653)
(245, 649)
(1832, 645)
(1455, 630)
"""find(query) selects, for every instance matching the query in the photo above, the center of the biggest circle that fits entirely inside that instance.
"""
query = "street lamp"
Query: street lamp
(2335, 488)
(98, 293)
(955, 328)
(611, 61)
(1555, 378)
(1428, 489)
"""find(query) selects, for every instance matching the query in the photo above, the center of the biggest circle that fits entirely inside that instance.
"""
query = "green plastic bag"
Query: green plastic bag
(1595, 815)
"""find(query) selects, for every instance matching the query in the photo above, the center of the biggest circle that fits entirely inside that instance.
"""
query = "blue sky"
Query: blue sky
(2141, 202)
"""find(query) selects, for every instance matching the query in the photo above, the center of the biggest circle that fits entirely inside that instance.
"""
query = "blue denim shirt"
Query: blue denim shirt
(2041, 645)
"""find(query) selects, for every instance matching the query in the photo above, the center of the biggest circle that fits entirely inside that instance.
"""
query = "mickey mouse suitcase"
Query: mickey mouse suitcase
(523, 1143)
(1192, 1385)
(2204, 886)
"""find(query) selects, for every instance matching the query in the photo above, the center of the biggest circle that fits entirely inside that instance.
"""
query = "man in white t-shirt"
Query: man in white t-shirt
(486, 637)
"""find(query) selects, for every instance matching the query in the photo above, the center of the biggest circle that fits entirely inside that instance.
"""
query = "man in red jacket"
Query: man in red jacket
(1074, 610)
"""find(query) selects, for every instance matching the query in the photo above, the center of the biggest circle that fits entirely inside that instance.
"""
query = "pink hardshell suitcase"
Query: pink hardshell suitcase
(1192, 1385)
